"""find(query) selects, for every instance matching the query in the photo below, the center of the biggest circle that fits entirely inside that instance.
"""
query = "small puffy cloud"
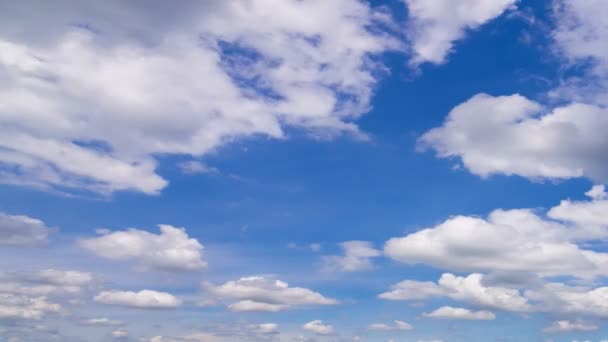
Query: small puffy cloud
(318, 327)
(435, 25)
(570, 326)
(397, 325)
(357, 257)
(105, 322)
(20, 307)
(513, 135)
(172, 249)
(448, 312)
(470, 289)
(264, 294)
(20, 230)
(517, 240)
(145, 299)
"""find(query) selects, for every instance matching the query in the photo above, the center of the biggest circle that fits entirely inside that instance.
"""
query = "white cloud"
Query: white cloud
(318, 327)
(45, 283)
(172, 249)
(20, 230)
(516, 240)
(357, 257)
(569, 326)
(90, 106)
(145, 299)
(580, 33)
(264, 294)
(19, 307)
(119, 333)
(470, 289)
(105, 322)
(397, 325)
(436, 24)
(513, 135)
(448, 312)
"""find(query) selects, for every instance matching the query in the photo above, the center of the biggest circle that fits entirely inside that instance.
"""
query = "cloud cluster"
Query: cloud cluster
(90, 106)
(171, 250)
(264, 294)
(318, 327)
(516, 240)
(448, 312)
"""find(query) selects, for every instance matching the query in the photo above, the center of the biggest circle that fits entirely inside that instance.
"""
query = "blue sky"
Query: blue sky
(278, 170)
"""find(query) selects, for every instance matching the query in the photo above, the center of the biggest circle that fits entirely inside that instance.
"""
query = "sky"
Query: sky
(304, 170)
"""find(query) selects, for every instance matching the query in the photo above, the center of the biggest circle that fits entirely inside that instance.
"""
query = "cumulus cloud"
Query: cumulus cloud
(448, 312)
(318, 327)
(397, 325)
(470, 289)
(172, 249)
(144, 299)
(513, 135)
(90, 106)
(569, 326)
(357, 257)
(264, 294)
(20, 230)
(516, 240)
(435, 25)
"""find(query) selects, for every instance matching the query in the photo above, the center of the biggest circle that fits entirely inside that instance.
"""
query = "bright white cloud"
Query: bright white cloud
(264, 294)
(397, 325)
(470, 289)
(90, 106)
(357, 257)
(513, 135)
(435, 25)
(318, 327)
(144, 299)
(20, 230)
(448, 312)
(512, 240)
(172, 249)
(569, 326)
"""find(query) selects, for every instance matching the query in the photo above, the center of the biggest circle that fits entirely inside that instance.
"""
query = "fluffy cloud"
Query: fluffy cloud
(397, 325)
(437, 24)
(569, 326)
(145, 299)
(19, 307)
(263, 294)
(513, 135)
(90, 106)
(448, 312)
(172, 249)
(19, 230)
(513, 241)
(318, 327)
(470, 289)
(45, 283)
(357, 257)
